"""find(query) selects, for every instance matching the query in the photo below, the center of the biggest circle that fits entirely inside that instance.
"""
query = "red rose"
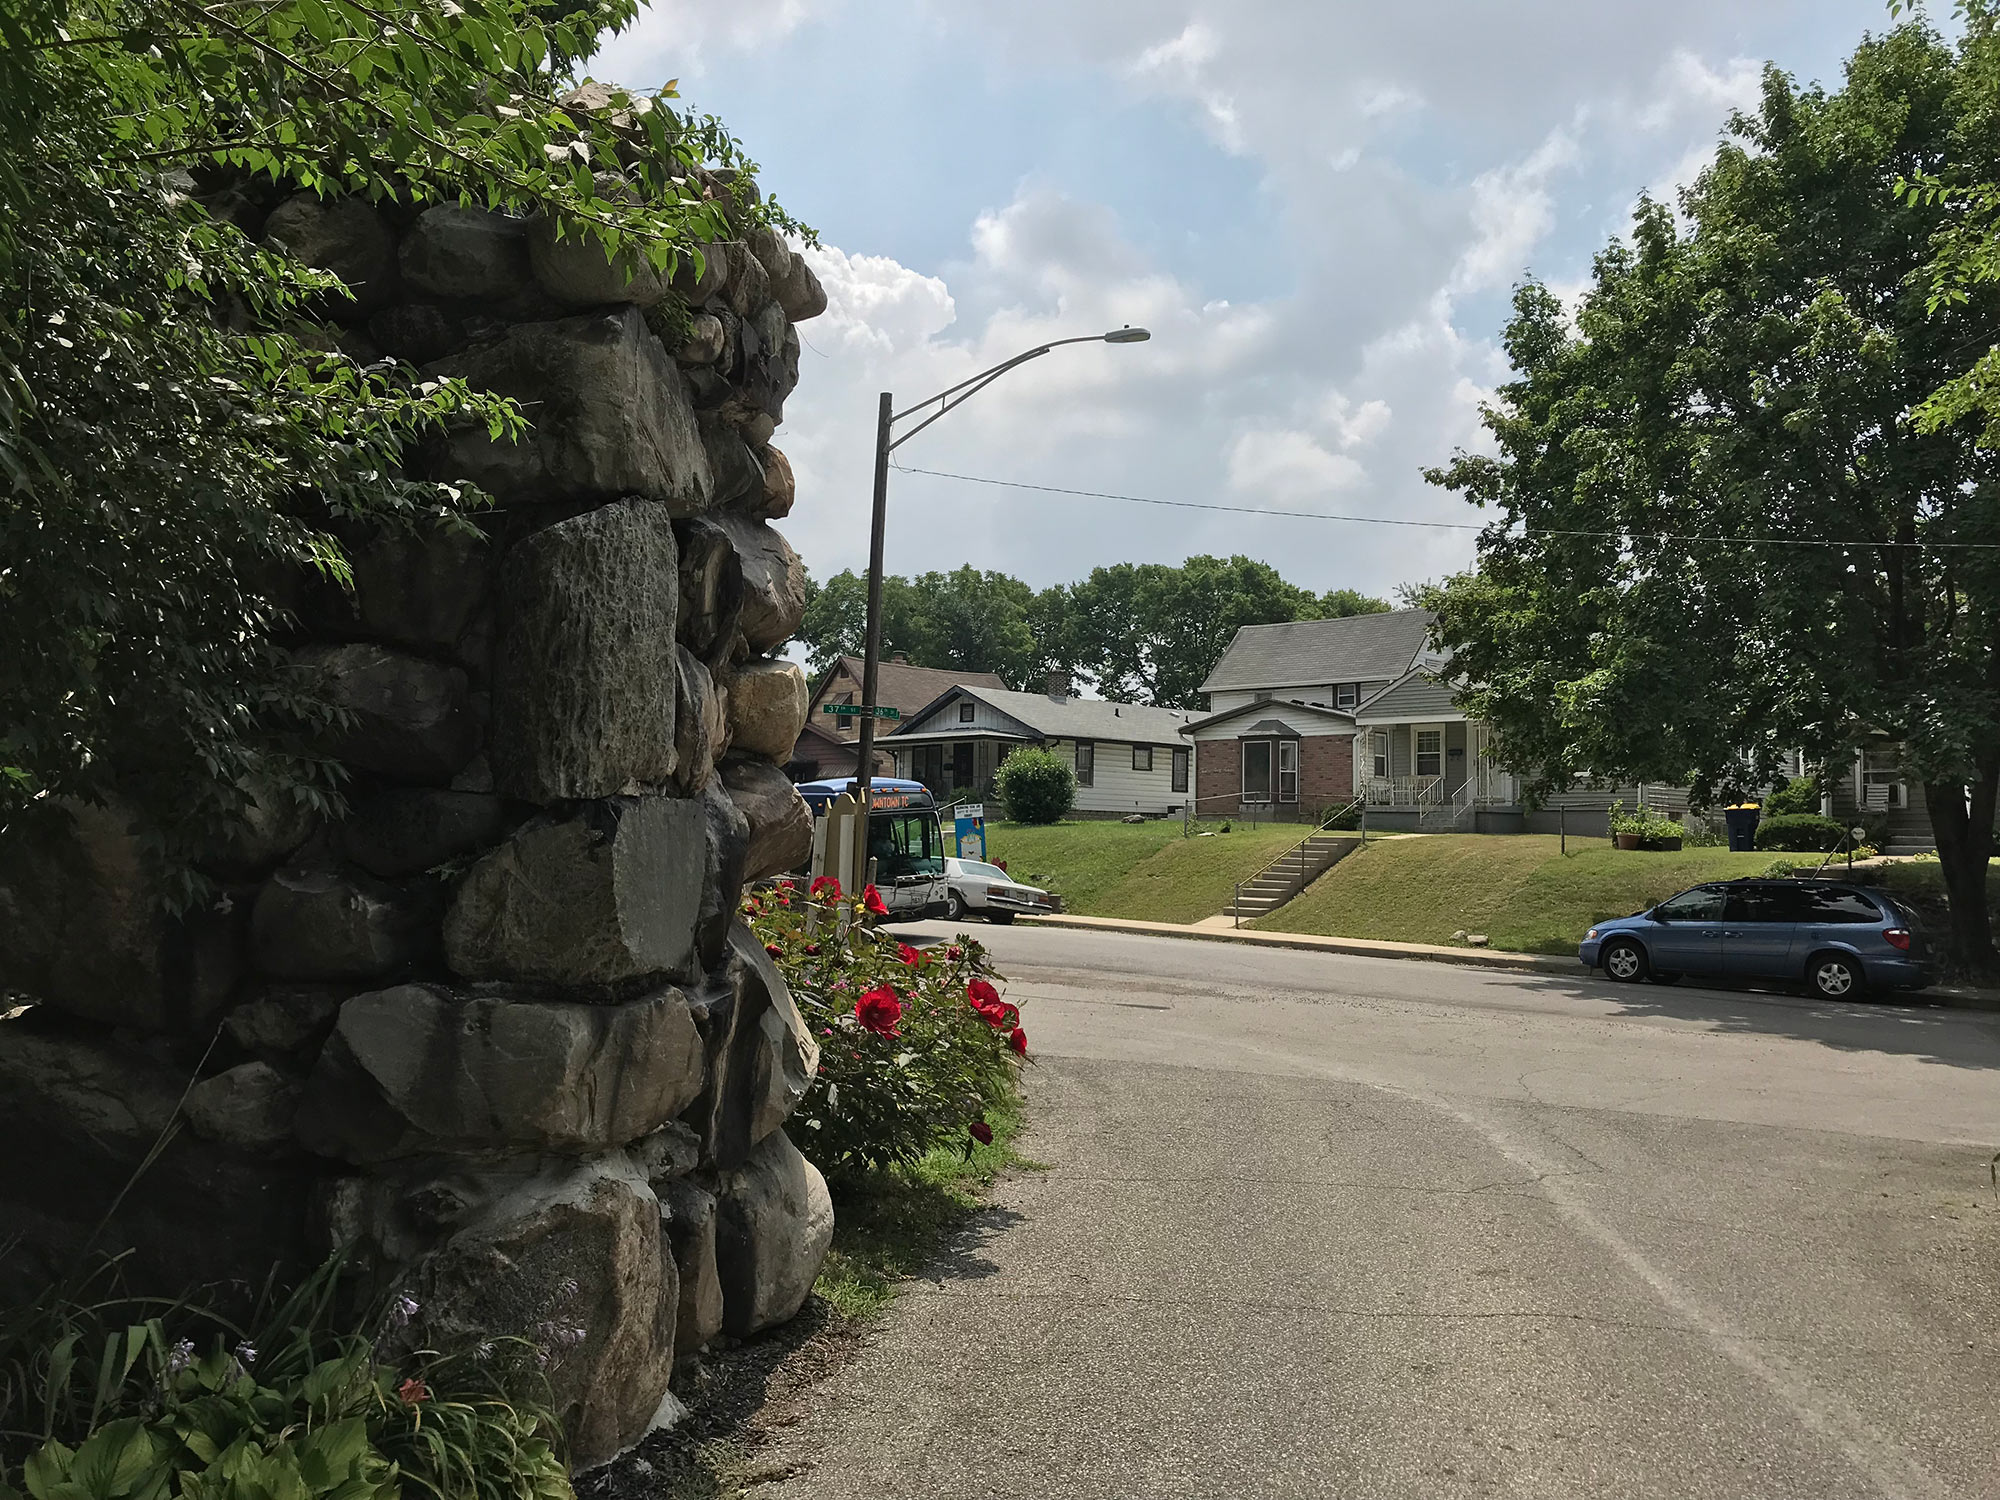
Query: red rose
(954, 953)
(872, 900)
(774, 950)
(1018, 1040)
(982, 994)
(812, 947)
(826, 885)
(909, 955)
(413, 1391)
(981, 1132)
(1002, 1015)
(879, 1010)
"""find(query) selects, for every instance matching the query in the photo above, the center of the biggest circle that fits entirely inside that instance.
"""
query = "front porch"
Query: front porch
(1435, 776)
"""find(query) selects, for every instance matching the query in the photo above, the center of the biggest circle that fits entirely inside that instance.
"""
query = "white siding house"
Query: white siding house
(1129, 758)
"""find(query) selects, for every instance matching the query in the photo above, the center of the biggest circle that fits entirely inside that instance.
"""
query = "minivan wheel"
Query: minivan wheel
(1625, 962)
(1834, 977)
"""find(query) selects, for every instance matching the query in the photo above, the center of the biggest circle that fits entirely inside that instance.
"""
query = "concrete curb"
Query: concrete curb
(1955, 997)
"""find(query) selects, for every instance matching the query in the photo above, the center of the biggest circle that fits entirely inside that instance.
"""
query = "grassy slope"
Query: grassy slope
(1517, 889)
(1144, 870)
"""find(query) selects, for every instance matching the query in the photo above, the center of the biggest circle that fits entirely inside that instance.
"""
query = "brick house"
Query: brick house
(826, 746)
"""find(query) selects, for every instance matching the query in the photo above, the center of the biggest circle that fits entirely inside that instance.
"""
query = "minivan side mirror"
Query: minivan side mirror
(1654, 915)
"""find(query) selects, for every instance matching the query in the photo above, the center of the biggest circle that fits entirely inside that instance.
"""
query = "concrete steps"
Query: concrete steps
(1289, 874)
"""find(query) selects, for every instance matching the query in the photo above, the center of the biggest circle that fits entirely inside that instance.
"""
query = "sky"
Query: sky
(1320, 210)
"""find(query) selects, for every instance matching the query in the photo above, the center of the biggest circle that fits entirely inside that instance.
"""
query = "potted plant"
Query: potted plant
(1644, 830)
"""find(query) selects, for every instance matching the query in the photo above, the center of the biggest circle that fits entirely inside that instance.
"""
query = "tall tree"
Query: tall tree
(1719, 535)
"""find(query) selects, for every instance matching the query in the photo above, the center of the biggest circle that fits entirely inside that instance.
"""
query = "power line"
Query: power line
(1320, 515)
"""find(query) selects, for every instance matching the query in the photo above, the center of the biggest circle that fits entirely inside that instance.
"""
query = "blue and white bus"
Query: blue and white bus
(905, 840)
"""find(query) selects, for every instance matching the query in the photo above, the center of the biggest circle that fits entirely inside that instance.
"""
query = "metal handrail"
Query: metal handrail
(1327, 820)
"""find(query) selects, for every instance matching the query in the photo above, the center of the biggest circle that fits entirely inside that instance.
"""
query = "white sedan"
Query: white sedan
(976, 886)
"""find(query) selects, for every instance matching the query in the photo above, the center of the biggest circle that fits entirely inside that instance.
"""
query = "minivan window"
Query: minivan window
(1779, 902)
(1703, 905)
(1839, 906)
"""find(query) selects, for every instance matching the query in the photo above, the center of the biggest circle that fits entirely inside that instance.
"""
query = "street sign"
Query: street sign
(860, 711)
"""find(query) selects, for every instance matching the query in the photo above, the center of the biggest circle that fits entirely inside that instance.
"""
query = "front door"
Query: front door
(1686, 934)
(961, 764)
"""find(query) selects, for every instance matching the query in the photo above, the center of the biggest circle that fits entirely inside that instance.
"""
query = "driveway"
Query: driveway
(1321, 1226)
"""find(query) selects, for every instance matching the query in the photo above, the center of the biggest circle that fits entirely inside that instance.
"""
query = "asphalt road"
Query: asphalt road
(1322, 1226)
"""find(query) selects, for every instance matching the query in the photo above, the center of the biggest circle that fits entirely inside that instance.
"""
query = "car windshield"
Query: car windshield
(982, 870)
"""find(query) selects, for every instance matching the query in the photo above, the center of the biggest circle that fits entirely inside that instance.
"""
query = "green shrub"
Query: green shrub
(1805, 832)
(1037, 786)
(110, 1398)
(915, 1046)
(1798, 797)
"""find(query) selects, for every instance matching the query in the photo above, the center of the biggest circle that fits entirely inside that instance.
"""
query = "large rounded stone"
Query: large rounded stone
(572, 1260)
(603, 898)
(793, 283)
(761, 1055)
(574, 269)
(84, 927)
(422, 589)
(780, 488)
(251, 1106)
(774, 1225)
(711, 589)
(688, 1214)
(767, 708)
(739, 477)
(774, 583)
(344, 236)
(320, 923)
(728, 847)
(463, 252)
(408, 719)
(417, 1069)
(84, 1114)
(586, 679)
(398, 831)
(609, 409)
(701, 723)
(780, 821)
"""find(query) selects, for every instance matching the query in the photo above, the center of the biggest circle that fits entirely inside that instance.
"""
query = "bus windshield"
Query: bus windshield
(905, 844)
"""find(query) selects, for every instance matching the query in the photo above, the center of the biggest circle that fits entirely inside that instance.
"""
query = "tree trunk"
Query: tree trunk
(1962, 821)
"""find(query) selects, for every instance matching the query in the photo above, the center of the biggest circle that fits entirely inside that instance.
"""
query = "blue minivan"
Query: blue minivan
(1842, 940)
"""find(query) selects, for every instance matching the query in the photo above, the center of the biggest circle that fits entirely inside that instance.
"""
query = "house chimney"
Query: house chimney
(900, 658)
(1059, 686)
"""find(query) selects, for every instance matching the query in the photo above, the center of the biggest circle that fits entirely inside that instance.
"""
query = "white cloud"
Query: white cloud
(1512, 209)
(1176, 65)
(673, 38)
(1288, 468)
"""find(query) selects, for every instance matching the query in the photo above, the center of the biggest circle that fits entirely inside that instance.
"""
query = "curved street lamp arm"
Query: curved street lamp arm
(1000, 369)
(966, 391)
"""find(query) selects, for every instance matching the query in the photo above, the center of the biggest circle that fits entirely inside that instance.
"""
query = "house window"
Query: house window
(1180, 770)
(1256, 770)
(1142, 757)
(1430, 752)
(1086, 763)
(966, 711)
(1288, 770)
(1378, 752)
(1346, 695)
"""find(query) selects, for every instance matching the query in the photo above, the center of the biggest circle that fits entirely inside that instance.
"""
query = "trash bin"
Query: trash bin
(1742, 823)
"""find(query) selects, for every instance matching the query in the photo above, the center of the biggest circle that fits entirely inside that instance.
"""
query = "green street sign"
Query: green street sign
(860, 711)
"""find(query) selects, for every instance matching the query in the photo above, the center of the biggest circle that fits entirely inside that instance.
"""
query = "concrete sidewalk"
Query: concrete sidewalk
(1219, 930)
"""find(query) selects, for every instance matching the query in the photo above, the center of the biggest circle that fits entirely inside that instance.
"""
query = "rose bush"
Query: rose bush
(916, 1045)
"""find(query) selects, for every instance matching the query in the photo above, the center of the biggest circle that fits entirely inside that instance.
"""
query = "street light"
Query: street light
(885, 444)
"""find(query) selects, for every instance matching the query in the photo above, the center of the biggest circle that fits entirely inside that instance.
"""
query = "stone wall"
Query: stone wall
(499, 1028)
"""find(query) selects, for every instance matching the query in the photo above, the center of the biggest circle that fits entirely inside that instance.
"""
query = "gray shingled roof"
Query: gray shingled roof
(1359, 648)
(1081, 718)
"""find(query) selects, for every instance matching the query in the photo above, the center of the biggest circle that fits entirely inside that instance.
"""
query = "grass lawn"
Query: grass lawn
(1146, 870)
(1517, 889)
